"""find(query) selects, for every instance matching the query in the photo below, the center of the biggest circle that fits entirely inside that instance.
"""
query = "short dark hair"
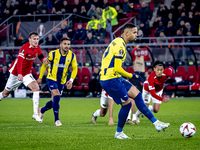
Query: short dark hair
(127, 26)
(149, 67)
(159, 63)
(33, 33)
(63, 39)
(138, 49)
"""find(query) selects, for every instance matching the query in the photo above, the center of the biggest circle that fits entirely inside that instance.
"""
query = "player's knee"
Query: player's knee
(102, 114)
(36, 88)
(155, 110)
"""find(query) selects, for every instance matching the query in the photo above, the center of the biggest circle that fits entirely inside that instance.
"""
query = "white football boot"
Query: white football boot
(58, 123)
(37, 118)
(161, 126)
(94, 119)
(121, 135)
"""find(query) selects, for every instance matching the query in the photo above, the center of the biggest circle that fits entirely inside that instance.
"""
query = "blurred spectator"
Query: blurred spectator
(33, 6)
(110, 14)
(99, 11)
(87, 4)
(162, 39)
(84, 14)
(171, 18)
(189, 39)
(183, 17)
(70, 32)
(149, 71)
(145, 29)
(120, 13)
(170, 30)
(139, 38)
(189, 28)
(178, 34)
(89, 39)
(174, 12)
(139, 64)
(94, 84)
(50, 40)
(183, 6)
(97, 3)
(25, 8)
(61, 31)
(93, 23)
(90, 30)
(74, 18)
(100, 34)
(42, 18)
(64, 35)
(8, 11)
(160, 28)
(65, 8)
(145, 14)
(125, 6)
(77, 5)
(181, 25)
(191, 18)
(57, 6)
(105, 3)
(92, 11)
(117, 2)
(41, 6)
(162, 10)
(156, 22)
(4, 75)
(79, 34)
(16, 8)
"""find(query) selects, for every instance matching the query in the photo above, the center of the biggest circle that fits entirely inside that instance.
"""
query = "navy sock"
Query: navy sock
(47, 106)
(143, 108)
(123, 113)
(56, 106)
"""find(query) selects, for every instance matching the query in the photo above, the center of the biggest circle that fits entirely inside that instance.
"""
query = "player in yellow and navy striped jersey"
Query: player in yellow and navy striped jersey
(118, 88)
(59, 62)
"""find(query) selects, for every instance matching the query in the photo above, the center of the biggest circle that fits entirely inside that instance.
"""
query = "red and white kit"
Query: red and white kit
(104, 99)
(153, 86)
(22, 65)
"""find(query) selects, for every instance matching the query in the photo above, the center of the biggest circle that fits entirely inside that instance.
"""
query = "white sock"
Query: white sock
(151, 108)
(36, 97)
(1, 96)
(134, 117)
(155, 122)
(129, 115)
(97, 113)
(138, 112)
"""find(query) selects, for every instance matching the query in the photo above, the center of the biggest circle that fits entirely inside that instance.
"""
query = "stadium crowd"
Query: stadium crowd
(181, 19)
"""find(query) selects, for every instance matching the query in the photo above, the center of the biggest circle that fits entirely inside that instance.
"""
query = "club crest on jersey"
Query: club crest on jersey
(121, 51)
(68, 60)
(136, 76)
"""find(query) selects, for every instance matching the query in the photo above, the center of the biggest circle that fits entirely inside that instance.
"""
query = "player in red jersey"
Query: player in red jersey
(153, 87)
(20, 71)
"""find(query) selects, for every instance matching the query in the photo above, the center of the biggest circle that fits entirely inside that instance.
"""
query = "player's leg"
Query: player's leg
(104, 106)
(132, 111)
(11, 84)
(134, 93)
(111, 103)
(146, 97)
(156, 103)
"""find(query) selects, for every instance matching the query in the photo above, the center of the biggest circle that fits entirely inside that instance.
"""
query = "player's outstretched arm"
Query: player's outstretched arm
(154, 95)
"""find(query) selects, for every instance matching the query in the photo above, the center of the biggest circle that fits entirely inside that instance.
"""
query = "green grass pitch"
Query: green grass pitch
(19, 131)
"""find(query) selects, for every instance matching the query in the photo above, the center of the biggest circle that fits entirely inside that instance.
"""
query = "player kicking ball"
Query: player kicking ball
(153, 88)
(118, 88)
(105, 102)
(59, 60)
(20, 71)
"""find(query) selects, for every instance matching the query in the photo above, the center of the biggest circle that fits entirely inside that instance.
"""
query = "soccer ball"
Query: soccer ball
(187, 129)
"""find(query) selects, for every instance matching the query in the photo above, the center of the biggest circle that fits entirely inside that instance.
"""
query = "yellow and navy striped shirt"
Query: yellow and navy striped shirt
(116, 49)
(59, 65)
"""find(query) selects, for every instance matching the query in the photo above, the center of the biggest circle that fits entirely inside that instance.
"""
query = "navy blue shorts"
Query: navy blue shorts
(55, 85)
(117, 88)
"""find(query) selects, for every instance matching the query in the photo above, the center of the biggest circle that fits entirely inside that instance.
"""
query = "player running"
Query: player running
(118, 88)
(153, 87)
(106, 102)
(59, 60)
(20, 71)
